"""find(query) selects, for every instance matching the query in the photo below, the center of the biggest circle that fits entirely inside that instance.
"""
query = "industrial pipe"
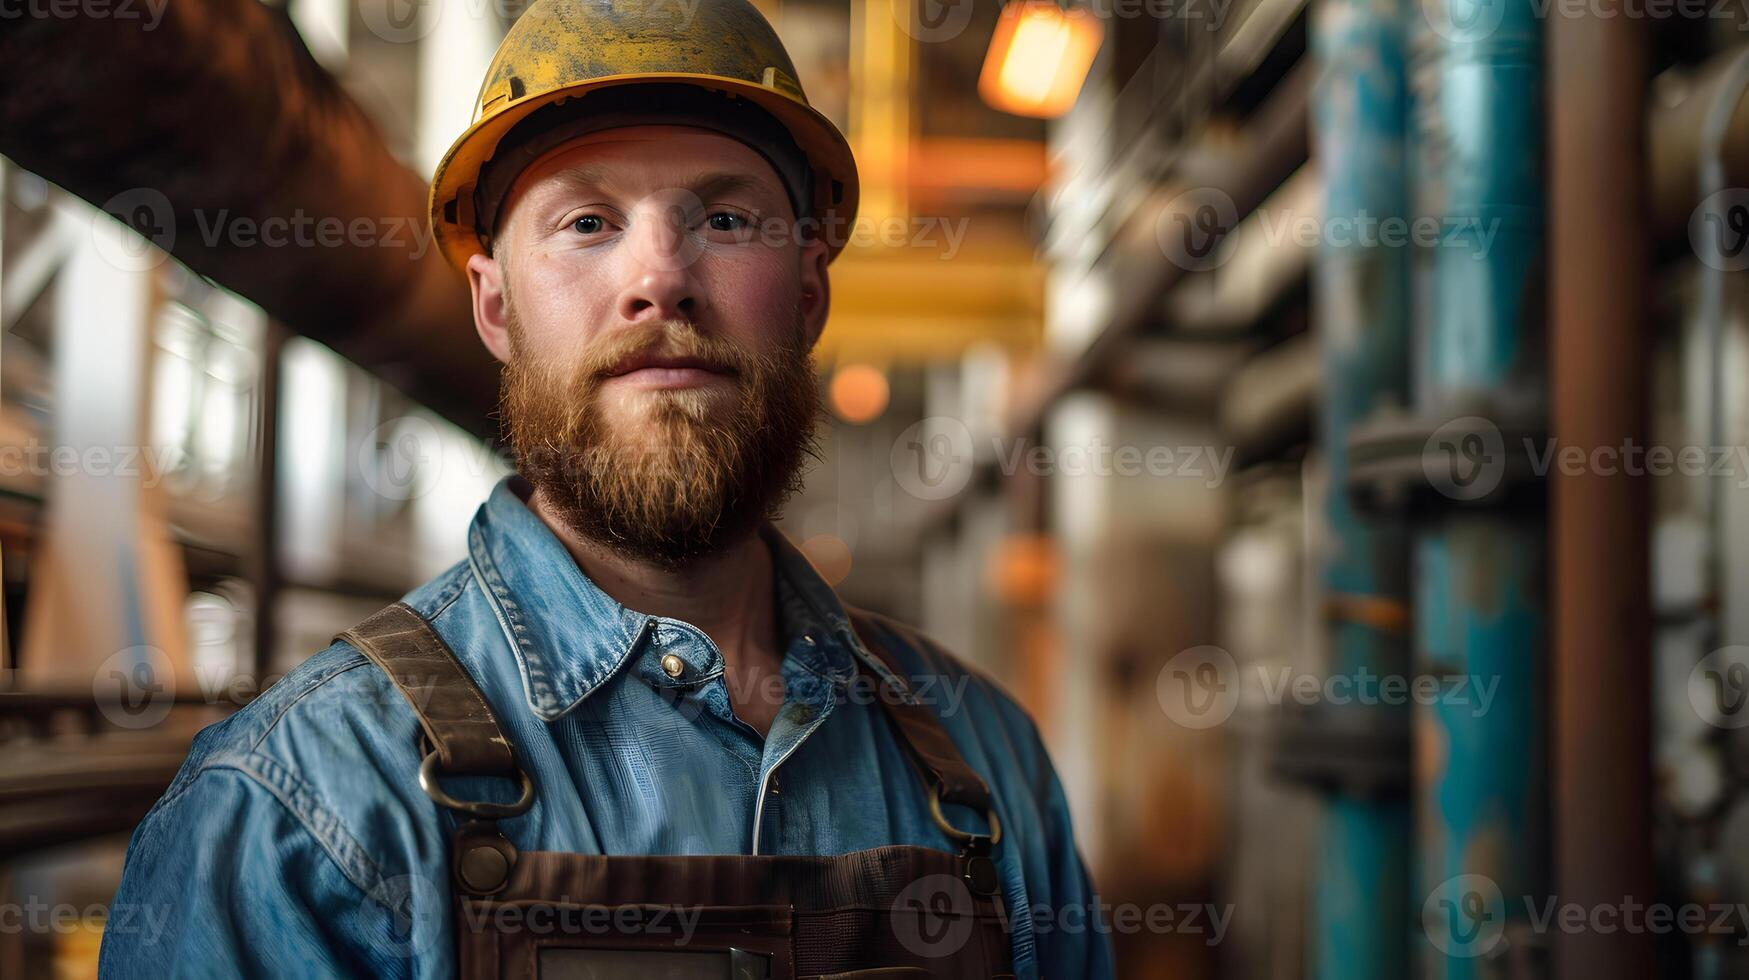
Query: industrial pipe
(1359, 922)
(1480, 557)
(214, 133)
(1600, 526)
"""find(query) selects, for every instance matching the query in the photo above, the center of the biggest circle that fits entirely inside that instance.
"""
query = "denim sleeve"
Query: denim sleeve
(1077, 942)
(222, 880)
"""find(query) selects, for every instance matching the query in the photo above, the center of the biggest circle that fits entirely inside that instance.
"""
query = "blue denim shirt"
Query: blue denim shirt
(296, 841)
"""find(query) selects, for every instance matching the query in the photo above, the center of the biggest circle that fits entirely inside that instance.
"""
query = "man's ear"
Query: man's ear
(491, 304)
(816, 299)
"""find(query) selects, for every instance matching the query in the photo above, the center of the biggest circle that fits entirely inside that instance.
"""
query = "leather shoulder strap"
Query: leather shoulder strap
(456, 718)
(920, 729)
(466, 735)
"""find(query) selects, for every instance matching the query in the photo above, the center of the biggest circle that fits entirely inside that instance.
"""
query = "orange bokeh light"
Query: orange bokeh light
(859, 393)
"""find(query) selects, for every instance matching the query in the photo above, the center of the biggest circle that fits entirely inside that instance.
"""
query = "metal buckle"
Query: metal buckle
(482, 809)
(958, 835)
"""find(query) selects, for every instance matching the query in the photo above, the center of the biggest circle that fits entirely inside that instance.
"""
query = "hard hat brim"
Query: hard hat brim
(452, 186)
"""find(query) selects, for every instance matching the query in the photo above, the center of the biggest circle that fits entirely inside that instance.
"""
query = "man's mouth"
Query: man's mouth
(656, 370)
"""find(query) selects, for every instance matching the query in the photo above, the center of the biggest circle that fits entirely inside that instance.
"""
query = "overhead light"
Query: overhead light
(1039, 56)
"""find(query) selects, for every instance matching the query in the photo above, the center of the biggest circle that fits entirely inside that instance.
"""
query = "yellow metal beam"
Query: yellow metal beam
(880, 106)
(927, 299)
(908, 305)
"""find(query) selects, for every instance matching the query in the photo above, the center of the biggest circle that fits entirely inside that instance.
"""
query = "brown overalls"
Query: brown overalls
(888, 912)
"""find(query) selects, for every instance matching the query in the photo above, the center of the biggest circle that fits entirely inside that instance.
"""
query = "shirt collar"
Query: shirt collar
(569, 637)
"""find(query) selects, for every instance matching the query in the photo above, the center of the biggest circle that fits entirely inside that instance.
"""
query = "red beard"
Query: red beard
(696, 475)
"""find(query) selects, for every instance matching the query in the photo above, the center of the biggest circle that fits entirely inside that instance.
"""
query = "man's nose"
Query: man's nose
(662, 272)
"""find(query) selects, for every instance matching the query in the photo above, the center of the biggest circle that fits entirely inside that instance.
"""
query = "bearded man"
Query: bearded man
(633, 732)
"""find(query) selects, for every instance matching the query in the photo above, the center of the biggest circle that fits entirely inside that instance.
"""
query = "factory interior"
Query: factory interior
(1327, 418)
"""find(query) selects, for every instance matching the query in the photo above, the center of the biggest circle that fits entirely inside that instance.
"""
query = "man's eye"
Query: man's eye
(589, 224)
(724, 221)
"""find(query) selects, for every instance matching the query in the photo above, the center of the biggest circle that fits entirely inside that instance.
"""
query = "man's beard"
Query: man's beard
(696, 471)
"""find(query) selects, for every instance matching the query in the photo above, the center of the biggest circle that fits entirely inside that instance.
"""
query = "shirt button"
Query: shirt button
(673, 666)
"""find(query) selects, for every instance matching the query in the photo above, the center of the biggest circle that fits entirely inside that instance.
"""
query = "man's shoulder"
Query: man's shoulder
(914, 648)
(334, 708)
(961, 693)
(334, 719)
(917, 651)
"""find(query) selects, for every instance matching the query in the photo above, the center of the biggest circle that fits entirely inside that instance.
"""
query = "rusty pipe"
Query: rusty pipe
(213, 132)
(1600, 524)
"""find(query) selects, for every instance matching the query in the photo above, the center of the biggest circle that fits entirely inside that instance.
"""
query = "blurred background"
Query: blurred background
(1328, 417)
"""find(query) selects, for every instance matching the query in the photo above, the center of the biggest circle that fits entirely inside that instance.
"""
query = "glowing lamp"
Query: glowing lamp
(1039, 57)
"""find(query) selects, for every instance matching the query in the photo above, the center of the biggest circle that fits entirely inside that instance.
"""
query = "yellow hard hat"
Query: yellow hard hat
(560, 50)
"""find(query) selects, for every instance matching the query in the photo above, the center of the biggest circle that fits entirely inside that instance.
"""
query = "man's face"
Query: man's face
(655, 314)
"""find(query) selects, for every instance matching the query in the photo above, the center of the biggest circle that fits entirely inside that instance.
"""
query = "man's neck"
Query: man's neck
(729, 595)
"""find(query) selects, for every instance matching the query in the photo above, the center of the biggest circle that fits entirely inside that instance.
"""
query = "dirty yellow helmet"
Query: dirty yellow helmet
(559, 51)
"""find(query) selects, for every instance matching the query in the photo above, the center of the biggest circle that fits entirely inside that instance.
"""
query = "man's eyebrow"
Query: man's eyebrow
(584, 178)
(708, 185)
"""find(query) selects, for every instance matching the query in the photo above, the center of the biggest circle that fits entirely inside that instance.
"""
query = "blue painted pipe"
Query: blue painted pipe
(1480, 597)
(1360, 117)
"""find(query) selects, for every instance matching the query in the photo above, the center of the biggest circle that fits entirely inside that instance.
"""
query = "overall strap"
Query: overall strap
(467, 740)
(458, 722)
(952, 779)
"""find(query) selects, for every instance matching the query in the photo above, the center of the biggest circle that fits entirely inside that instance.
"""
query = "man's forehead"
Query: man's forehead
(670, 156)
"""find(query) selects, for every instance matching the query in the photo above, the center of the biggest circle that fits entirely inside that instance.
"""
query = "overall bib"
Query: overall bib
(888, 912)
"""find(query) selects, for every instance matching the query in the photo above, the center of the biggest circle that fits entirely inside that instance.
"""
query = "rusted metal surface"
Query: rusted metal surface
(1600, 532)
(215, 134)
(1480, 606)
(1360, 291)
